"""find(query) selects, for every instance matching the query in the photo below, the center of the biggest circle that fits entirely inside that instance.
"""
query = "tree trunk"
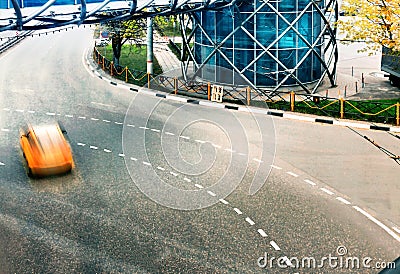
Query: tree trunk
(117, 46)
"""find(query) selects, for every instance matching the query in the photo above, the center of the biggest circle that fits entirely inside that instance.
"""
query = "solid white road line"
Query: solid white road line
(384, 227)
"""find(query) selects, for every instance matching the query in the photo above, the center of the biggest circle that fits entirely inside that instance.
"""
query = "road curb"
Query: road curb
(271, 112)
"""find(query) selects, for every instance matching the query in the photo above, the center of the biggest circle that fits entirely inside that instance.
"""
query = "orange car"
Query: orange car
(46, 150)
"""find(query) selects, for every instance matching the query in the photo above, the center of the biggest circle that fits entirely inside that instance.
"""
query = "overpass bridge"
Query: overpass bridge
(39, 14)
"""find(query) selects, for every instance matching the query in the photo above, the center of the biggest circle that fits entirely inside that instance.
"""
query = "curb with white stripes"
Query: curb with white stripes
(273, 112)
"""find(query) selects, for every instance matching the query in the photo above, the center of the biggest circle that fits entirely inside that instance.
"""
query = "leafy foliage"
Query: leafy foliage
(133, 30)
(375, 21)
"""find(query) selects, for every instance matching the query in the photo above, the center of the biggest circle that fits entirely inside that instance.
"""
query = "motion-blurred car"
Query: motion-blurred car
(46, 150)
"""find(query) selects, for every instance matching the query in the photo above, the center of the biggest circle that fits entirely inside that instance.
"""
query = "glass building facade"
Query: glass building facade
(269, 43)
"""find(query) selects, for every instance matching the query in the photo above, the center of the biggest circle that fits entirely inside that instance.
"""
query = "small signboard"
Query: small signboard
(216, 93)
(104, 34)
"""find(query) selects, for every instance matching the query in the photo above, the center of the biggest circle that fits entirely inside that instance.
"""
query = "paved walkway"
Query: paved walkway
(167, 59)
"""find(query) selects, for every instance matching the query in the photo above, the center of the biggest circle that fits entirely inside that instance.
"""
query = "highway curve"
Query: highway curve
(163, 186)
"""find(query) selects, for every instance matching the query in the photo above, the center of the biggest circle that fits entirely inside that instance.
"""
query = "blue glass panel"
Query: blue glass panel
(304, 70)
(208, 23)
(266, 28)
(305, 29)
(287, 5)
(4, 4)
(223, 28)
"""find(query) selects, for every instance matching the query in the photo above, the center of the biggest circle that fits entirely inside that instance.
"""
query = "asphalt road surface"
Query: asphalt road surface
(161, 186)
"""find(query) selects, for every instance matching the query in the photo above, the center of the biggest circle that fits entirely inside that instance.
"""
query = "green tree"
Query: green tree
(133, 31)
(375, 21)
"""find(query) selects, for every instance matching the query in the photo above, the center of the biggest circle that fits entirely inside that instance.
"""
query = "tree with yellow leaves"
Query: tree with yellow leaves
(373, 21)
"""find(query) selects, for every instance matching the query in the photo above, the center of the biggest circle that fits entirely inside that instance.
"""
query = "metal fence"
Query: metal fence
(373, 111)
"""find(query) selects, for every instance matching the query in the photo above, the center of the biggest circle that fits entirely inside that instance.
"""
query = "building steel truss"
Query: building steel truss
(327, 57)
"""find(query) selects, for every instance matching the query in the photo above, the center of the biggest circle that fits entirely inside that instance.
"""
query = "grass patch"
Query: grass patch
(135, 58)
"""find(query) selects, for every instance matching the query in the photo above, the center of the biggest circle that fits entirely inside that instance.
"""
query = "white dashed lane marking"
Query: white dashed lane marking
(276, 167)
(292, 174)
(257, 160)
(262, 232)
(200, 141)
(155, 130)
(5, 129)
(2, 164)
(211, 193)
(184, 137)
(161, 168)
(237, 210)
(129, 125)
(187, 180)
(31, 111)
(107, 121)
(327, 191)
(198, 186)
(250, 221)
(107, 150)
(50, 113)
(343, 200)
(144, 128)
(173, 173)
(81, 144)
(19, 110)
(310, 182)
(94, 119)
(69, 115)
(275, 246)
(6, 109)
(121, 155)
(225, 202)
(169, 133)
(396, 229)
(118, 123)
(81, 117)
(133, 159)
(94, 147)
(216, 146)
(146, 163)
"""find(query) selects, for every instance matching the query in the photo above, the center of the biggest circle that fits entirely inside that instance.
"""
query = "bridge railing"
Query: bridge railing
(373, 111)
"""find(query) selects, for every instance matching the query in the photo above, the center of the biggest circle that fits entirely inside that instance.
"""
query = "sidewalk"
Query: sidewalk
(167, 59)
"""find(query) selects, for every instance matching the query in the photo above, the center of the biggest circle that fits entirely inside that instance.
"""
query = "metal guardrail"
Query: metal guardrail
(373, 111)
(11, 41)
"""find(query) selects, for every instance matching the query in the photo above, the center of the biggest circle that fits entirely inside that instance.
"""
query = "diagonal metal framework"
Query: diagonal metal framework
(50, 15)
(322, 48)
